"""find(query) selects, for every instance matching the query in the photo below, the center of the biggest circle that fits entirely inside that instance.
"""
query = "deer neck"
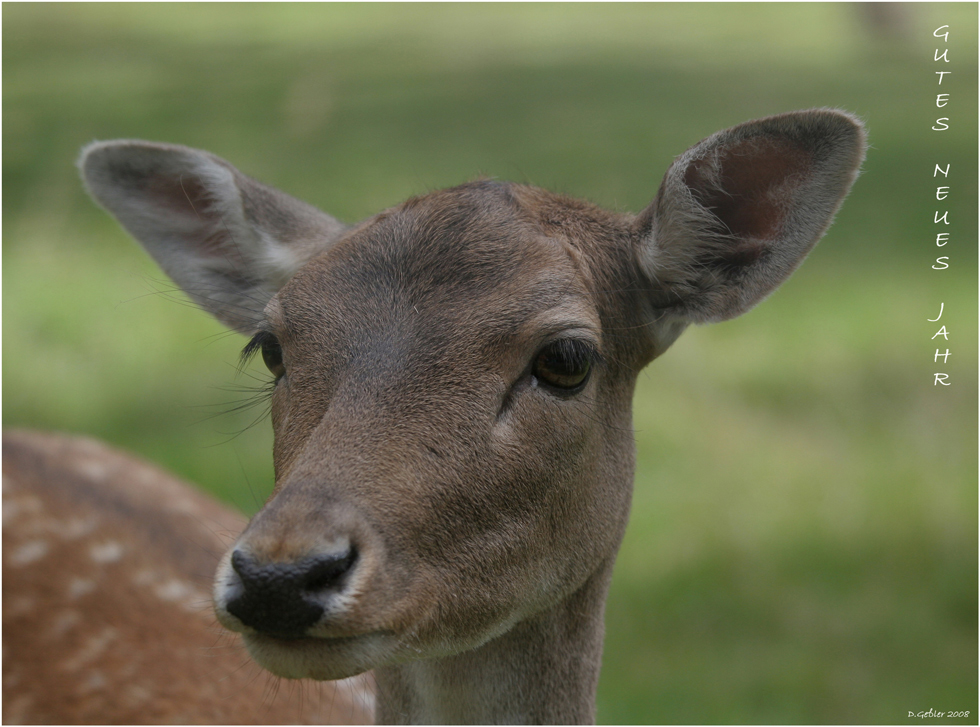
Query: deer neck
(543, 671)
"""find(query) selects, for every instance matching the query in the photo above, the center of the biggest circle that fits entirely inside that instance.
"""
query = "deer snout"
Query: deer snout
(285, 599)
(300, 585)
(294, 571)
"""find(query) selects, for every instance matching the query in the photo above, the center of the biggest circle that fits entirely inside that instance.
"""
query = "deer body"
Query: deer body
(107, 563)
(452, 406)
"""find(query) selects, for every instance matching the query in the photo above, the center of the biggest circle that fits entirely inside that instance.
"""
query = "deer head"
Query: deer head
(452, 406)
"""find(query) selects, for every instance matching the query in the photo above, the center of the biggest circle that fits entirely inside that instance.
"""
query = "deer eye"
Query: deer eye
(564, 364)
(271, 352)
(272, 356)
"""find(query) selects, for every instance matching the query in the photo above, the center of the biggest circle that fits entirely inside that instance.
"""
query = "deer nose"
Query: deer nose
(284, 599)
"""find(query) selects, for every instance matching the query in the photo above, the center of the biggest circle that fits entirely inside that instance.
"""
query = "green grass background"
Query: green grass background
(803, 546)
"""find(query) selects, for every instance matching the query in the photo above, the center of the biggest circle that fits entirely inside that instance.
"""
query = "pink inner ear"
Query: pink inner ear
(186, 195)
(183, 194)
(750, 185)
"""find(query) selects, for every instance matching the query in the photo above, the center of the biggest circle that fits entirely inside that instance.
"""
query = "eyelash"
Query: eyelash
(254, 346)
(268, 344)
(565, 365)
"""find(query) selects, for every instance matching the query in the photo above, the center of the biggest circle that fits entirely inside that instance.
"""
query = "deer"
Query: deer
(452, 393)
(107, 565)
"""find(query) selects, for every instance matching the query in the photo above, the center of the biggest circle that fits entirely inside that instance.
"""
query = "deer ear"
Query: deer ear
(228, 241)
(738, 212)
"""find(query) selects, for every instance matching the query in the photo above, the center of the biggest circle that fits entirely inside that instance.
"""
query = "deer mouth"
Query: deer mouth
(321, 658)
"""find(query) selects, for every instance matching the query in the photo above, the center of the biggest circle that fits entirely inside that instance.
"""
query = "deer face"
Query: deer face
(453, 377)
(450, 420)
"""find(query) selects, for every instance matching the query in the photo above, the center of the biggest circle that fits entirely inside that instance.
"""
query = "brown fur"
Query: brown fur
(107, 568)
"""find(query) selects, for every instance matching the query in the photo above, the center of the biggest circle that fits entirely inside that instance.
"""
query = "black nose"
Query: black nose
(285, 599)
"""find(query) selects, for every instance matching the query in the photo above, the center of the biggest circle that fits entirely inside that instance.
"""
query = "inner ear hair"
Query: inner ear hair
(738, 212)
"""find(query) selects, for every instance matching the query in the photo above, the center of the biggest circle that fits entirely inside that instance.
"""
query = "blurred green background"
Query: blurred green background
(803, 546)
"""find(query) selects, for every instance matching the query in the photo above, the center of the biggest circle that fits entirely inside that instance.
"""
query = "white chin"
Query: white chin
(321, 659)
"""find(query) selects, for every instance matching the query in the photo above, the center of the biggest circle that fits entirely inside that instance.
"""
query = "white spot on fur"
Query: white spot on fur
(107, 552)
(185, 506)
(63, 623)
(94, 682)
(173, 590)
(92, 649)
(92, 468)
(18, 506)
(28, 553)
(78, 528)
(78, 587)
